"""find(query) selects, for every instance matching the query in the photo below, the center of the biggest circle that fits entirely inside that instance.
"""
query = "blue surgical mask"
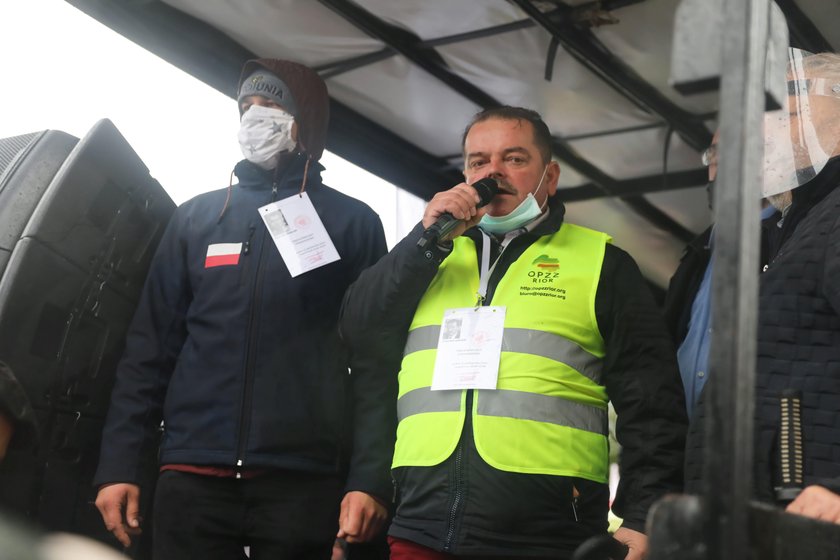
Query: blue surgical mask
(524, 213)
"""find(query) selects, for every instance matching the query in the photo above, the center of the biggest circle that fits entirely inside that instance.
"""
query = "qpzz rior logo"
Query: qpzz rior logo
(547, 263)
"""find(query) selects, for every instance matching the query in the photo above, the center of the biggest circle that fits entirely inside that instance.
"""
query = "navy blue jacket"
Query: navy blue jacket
(242, 362)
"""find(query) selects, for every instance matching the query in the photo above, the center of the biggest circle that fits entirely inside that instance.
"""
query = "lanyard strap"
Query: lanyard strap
(486, 270)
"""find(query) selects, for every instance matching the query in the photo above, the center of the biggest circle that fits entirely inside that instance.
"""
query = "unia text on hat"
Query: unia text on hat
(264, 83)
(308, 93)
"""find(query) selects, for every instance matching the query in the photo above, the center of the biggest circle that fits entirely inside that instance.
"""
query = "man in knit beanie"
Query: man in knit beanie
(267, 442)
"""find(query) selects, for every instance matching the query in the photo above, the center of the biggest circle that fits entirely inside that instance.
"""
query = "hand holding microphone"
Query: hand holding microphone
(451, 212)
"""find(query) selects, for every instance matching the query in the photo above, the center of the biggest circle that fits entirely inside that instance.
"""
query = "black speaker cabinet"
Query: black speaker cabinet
(79, 223)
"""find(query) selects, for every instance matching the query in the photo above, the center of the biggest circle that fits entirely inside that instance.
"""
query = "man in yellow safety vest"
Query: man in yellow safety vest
(502, 447)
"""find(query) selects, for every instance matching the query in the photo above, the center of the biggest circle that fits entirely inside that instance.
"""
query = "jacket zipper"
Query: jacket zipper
(247, 391)
(454, 511)
(457, 501)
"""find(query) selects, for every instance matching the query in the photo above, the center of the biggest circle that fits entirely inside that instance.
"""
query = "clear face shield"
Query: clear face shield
(800, 139)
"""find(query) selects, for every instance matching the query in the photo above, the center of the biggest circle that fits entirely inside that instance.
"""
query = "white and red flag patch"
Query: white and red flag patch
(222, 254)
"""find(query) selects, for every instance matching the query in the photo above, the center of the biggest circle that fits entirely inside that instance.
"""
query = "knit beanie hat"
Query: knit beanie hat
(264, 83)
(308, 94)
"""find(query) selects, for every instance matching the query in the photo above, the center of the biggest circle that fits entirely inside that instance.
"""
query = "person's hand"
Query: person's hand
(115, 499)
(361, 517)
(7, 430)
(636, 541)
(460, 201)
(817, 502)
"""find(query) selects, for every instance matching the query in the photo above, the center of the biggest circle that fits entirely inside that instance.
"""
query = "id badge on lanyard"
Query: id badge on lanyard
(299, 234)
(470, 342)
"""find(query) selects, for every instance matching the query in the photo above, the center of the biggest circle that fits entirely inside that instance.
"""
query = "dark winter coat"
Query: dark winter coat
(798, 340)
(684, 284)
(799, 334)
(243, 362)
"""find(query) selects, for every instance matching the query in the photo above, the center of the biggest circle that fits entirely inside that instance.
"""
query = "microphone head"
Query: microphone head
(486, 189)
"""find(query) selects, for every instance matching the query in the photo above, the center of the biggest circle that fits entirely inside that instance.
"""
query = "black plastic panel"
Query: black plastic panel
(74, 276)
(79, 223)
(11, 148)
(54, 488)
(29, 164)
(103, 211)
(61, 330)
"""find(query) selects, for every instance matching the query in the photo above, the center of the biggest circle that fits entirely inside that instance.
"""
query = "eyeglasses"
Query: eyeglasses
(813, 86)
(709, 155)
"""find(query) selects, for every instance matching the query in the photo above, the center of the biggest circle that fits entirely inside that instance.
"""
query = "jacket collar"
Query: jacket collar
(288, 176)
(809, 195)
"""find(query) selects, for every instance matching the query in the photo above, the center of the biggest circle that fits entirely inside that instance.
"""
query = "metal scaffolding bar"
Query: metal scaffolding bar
(428, 59)
(728, 465)
(586, 49)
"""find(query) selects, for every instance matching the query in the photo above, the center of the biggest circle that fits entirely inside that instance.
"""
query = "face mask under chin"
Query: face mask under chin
(524, 213)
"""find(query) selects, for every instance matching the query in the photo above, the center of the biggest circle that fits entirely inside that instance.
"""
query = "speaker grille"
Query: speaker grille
(12, 146)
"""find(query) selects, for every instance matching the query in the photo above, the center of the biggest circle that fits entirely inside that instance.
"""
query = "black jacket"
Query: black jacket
(799, 334)
(798, 340)
(683, 286)
(243, 363)
(682, 289)
(465, 506)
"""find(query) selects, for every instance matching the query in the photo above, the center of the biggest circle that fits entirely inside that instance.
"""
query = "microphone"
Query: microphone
(446, 222)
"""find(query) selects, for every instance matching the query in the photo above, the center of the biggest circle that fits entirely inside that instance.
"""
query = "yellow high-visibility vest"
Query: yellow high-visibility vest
(548, 414)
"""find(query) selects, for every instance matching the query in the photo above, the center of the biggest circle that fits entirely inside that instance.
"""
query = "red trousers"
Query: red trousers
(406, 550)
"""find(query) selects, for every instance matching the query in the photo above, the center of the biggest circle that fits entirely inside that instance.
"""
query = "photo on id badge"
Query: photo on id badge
(452, 329)
(277, 222)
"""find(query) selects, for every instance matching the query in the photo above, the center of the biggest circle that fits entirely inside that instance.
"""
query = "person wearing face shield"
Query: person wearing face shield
(502, 444)
(799, 298)
(797, 373)
(265, 441)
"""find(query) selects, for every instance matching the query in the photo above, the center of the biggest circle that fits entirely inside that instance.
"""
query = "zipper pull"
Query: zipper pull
(575, 495)
(247, 247)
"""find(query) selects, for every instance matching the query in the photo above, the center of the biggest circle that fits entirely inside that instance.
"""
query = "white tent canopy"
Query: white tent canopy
(406, 76)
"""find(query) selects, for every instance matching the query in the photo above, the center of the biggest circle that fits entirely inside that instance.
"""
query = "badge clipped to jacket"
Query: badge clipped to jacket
(469, 348)
(299, 234)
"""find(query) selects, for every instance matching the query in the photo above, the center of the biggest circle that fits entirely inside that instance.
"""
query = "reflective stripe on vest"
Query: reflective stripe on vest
(524, 341)
(510, 404)
(548, 414)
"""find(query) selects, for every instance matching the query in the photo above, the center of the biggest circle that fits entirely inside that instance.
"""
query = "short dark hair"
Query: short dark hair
(542, 137)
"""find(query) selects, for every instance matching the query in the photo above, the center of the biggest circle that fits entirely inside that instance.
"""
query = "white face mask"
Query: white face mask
(264, 133)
